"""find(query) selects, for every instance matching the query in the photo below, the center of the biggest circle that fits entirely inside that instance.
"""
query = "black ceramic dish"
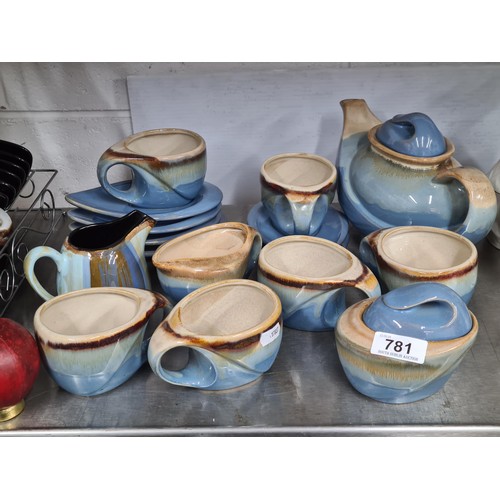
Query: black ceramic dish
(14, 169)
(11, 179)
(4, 200)
(17, 161)
(7, 166)
(9, 192)
(17, 150)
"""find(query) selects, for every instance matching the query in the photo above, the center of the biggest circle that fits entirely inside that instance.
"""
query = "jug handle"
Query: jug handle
(482, 200)
(29, 267)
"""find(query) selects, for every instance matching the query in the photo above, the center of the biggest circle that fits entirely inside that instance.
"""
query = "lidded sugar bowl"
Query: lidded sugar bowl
(405, 345)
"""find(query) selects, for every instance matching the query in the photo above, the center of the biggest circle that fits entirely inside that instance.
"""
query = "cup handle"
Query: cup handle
(305, 215)
(362, 278)
(163, 303)
(482, 200)
(130, 195)
(29, 267)
(368, 283)
(367, 251)
(254, 253)
(198, 371)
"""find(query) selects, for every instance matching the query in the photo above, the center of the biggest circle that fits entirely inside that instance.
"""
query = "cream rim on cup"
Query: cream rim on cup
(299, 172)
(420, 249)
(166, 143)
(233, 309)
(93, 314)
(306, 259)
(219, 240)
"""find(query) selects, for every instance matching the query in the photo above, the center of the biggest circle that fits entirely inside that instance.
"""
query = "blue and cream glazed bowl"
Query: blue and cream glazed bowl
(95, 339)
(405, 345)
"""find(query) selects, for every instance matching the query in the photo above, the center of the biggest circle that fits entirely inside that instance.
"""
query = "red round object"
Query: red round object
(19, 362)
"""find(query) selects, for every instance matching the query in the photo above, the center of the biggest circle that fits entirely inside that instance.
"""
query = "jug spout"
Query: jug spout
(140, 227)
(134, 227)
(357, 117)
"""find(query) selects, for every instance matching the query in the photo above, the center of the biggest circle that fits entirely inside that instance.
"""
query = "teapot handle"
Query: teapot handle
(29, 267)
(482, 200)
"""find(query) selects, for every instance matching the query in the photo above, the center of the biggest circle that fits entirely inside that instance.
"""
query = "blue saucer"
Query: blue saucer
(158, 240)
(97, 200)
(86, 218)
(334, 228)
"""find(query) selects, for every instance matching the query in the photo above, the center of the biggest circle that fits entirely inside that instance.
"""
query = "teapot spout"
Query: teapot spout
(358, 120)
(357, 117)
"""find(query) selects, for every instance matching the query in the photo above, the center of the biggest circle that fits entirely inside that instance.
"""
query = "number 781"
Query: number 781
(398, 345)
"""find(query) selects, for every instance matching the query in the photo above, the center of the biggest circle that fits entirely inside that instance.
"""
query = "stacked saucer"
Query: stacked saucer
(168, 184)
(297, 190)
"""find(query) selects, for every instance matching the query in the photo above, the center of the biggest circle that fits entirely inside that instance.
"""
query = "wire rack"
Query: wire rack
(31, 227)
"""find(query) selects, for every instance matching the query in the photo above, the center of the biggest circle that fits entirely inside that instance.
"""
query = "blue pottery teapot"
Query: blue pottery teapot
(402, 172)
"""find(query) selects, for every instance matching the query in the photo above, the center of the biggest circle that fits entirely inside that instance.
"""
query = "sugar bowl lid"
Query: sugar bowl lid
(427, 311)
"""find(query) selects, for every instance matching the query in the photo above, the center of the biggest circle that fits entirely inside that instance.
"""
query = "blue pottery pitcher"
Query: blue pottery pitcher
(402, 173)
(107, 254)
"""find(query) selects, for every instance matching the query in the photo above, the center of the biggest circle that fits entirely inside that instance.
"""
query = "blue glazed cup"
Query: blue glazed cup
(221, 336)
(428, 312)
(94, 340)
(297, 190)
(310, 276)
(168, 165)
(219, 252)
(404, 255)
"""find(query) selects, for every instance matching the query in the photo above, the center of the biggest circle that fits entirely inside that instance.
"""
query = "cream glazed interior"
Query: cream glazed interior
(426, 248)
(228, 308)
(66, 318)
(216, 241)
(299, 171)
(165, 143)
(306, 257)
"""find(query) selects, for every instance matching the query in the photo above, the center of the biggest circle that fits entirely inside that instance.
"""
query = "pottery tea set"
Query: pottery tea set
(229, 288)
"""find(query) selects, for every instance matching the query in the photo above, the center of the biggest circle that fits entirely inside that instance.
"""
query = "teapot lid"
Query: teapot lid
(413, 134)
(427, 311)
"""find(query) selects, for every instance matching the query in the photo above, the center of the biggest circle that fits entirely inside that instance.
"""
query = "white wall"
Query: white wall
(67, 114)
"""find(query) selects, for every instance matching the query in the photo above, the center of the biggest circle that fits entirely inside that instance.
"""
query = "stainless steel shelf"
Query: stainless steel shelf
(304, 394)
